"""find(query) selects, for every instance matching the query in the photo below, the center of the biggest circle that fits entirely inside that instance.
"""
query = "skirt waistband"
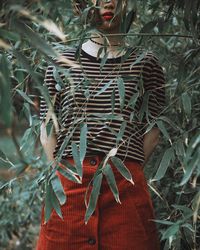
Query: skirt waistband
(93, 160)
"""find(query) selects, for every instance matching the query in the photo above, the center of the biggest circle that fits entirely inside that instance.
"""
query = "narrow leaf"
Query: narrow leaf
(58, 189)
(69, 175)
(113, 100)
(48, 205)
(107, 171)
(121, 89)
(76, 157)
(94, 196)
(191, 165)
(186, 100)
(121, 131)
(107, 85)
(163, 129)
(171, 231)
(124, 171)
(24, 95)
(164, 164)
(83, 142)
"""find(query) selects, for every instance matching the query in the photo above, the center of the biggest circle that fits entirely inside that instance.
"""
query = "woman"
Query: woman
(107, 93)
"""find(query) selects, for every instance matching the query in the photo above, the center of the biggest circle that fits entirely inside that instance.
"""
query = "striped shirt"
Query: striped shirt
(116, 98)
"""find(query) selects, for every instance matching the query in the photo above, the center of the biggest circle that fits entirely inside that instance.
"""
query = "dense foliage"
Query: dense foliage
(34, 32)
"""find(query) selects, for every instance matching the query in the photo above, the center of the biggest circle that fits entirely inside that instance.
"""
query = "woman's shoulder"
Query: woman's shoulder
(69, 51)
(66, 57)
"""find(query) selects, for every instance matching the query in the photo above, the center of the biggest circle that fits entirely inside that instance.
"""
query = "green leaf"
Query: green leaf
(5, 92)
(69, 175)
(9, 35)
(171, 231)
(133, 100)
(190, 167)
(56, 205)
(107, 171)
(76, 157)
(171, 123)
(186, 210)
(144, 108)
(51, 202)
(94, 196)
(104, 116)
(107, 85)
(129, 19)
(34, 39)
(163, 129)
(164, 222)
(48, 204)
(24, 62)
(100, 51)
(113, 101)
(186, 101)
(65, 144)
(148, 27)
(24, 95)
(164, 164)
(103, 60)
(121, 89)
(83, 142)
(124, 171)
(139, 59)
(179, 148)
(121, 131)
(58, 79)
(58, 189)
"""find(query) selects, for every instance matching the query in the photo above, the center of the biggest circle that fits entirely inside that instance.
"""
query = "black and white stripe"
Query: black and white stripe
(78, 99)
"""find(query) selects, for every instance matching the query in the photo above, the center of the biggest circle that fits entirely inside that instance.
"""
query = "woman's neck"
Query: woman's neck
(92, 47)
(110, 41)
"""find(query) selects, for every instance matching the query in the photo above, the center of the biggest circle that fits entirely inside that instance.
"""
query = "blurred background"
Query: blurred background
(32, 32)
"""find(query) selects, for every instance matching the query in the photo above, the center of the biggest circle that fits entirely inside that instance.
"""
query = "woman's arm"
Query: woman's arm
(151, 139)
(48, 142)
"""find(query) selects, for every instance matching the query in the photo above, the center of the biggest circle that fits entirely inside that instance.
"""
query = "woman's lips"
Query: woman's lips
(108, 16)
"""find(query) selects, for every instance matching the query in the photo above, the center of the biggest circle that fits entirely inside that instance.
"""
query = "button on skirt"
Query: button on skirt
(113, 226)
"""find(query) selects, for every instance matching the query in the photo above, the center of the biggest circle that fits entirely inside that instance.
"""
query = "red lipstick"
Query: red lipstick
(108, 16)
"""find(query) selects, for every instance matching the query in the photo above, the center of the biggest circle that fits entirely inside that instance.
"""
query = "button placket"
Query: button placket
(93, 162)
(91, 241)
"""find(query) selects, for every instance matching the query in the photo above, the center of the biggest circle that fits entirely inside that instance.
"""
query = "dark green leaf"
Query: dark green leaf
(124, 171)
(107, 85)
(171, 231)
(94, 196)
(186, 100)
(164, 164)
(35, 39)
(121, 89)
(121, 131)
(48, 203)
(58, 189)
(107, 171)
(77, 160)
(24, 95)
(163, 129)
(83, 142)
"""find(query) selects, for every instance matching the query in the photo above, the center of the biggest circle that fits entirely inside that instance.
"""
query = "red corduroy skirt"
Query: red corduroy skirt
(113, 226)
